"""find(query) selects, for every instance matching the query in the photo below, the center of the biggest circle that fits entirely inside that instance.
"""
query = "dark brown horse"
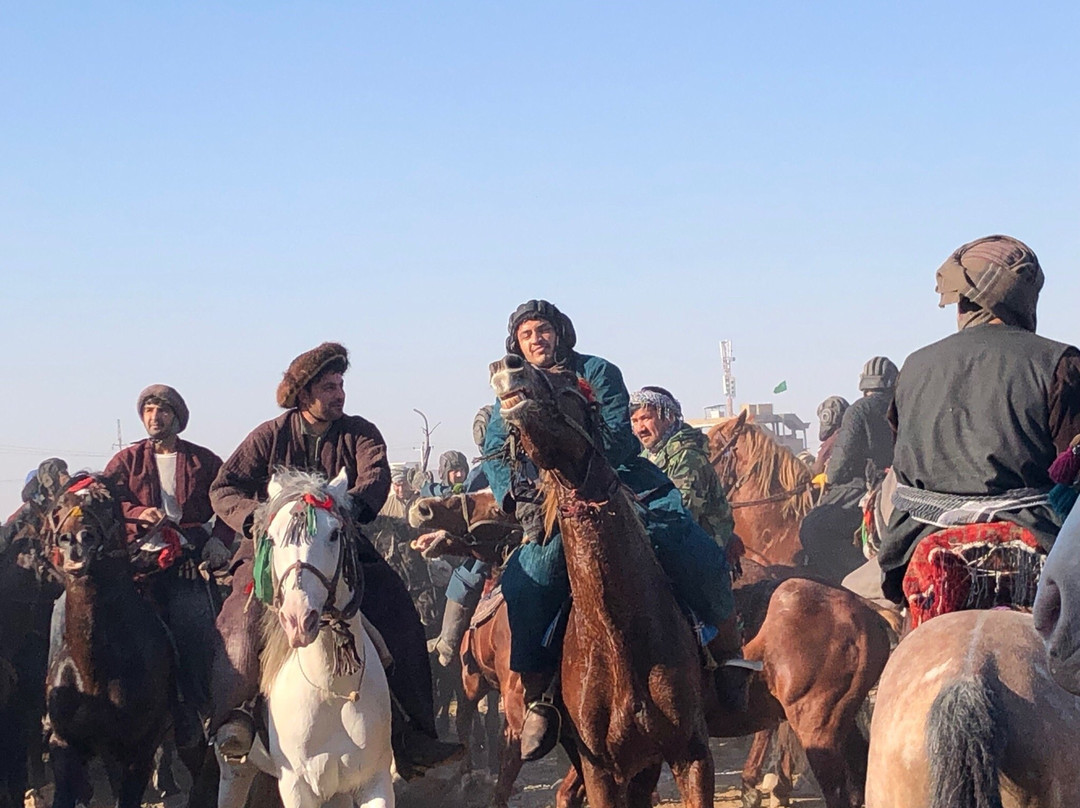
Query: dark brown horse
(822, 650)
(632, 683)
(110, 688)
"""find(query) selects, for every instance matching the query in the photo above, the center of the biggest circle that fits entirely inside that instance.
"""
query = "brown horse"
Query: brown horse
(768, 487)
(968, 716)
(110, 688)
(632, 682)
(822, 650)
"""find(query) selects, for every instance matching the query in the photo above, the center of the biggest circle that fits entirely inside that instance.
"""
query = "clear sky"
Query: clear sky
(195, 193)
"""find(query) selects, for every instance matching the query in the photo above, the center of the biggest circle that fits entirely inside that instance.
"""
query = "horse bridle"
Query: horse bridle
(330, 612)
(727, 458)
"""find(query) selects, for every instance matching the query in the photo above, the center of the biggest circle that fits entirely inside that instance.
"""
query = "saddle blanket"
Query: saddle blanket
(486, 608)
(979, 566)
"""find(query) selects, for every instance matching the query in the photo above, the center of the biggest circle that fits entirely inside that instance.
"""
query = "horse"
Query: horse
(28, 587)
(632, 682)
(112, 684)
(768, 488)
(968, 716)
(822, 649)
(325, 689)
(1057, 605)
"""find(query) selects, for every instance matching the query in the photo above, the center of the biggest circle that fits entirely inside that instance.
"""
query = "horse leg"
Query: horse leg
(163, 779)
(693, 775)
(831, 772)
(753, 768)
(492, 731)
(857, 755)
(509, 765)
(379, 793)
(600, 787)
(234, 781)
(133, 781)
(639, 792)
(69, 775)
(466, 716)
(571, 793)
(295, 793)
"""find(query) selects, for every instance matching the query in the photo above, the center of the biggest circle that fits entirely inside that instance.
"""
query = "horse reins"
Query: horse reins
(727, 451)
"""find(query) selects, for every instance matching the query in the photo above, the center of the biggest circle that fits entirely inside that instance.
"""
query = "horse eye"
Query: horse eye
(334, 535)
(65, 538)
(82, 535)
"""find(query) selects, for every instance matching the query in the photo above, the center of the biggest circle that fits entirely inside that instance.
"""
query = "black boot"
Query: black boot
(416, 751)
(543, 722)
(732, 676)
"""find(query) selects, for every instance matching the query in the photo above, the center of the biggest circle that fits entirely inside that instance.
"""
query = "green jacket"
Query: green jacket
(684, 457)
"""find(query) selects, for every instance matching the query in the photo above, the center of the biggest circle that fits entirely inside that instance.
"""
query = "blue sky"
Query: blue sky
(194, 193)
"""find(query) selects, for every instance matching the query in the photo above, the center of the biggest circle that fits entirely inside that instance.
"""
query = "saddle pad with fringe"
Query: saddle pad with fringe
(486, 608)
(972, 567)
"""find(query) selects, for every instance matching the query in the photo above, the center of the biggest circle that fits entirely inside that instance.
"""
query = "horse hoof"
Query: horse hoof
(751, 798)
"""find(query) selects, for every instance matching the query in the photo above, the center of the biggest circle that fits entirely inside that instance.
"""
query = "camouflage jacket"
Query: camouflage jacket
(684, 457)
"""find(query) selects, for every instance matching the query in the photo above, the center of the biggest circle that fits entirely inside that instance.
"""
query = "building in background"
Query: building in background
(786, 428)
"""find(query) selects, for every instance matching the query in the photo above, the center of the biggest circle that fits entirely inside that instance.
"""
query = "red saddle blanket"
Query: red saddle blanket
(972, 567)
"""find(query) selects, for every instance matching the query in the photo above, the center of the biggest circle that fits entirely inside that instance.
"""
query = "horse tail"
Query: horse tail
(965, 739)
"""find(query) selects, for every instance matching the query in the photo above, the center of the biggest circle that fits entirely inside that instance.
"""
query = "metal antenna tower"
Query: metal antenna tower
(727, 356)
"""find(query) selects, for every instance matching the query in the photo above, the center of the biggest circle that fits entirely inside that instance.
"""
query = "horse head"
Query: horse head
(306, 521)
(84, 526)
(474, 523)
(551, 413)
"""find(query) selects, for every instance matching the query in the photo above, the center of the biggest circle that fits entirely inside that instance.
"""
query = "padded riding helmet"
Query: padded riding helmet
(542, 310)
(878, 374)
(450, 460)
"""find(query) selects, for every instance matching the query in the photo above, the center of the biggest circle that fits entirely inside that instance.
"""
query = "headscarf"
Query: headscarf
(830, 413)
(665, 404)
(998, 274)
(566, 337)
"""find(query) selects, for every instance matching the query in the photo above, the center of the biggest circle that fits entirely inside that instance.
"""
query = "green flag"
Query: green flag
(780, 387)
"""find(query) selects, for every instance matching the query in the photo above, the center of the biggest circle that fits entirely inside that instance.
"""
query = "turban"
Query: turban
(999, 275)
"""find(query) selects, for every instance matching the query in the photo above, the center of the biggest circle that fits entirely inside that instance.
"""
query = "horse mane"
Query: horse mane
(774, 469)
(276, 650)
(294, 484)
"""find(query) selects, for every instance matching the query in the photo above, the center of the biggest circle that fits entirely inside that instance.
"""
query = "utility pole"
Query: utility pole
(119, 437)
(727, 356)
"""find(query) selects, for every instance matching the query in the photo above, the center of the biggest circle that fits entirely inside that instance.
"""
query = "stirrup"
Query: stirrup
(546, 709)
(239, 716)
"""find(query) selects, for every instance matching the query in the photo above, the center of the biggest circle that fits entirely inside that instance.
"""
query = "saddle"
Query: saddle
(979, 566)
(485, 610)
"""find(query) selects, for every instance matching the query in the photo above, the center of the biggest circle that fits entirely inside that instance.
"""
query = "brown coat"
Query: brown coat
(351, 443)
(135, 470)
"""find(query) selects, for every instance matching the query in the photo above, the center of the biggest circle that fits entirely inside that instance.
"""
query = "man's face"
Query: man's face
(455, 476)
(159, 420)
(537, 339)
(402, 490)
(648, 426)
(325, 399)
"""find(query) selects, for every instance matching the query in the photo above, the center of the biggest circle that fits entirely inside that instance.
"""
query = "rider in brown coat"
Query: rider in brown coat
(315, 434)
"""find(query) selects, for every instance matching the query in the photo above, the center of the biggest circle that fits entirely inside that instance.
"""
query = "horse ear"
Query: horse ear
(339, 487)
(273, 488)
(741, 419)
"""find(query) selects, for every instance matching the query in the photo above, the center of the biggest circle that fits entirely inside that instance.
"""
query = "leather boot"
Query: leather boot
(732, 677)
(416, 751)
(455, 622)
(543, 722)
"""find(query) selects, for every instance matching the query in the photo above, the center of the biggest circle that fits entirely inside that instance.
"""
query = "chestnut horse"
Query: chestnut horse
(111, 685)
(967, 716)
(632, 682)
(769, 490)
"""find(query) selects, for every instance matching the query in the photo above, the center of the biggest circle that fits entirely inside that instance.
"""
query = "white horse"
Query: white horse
(1057, 605)
(328, 703)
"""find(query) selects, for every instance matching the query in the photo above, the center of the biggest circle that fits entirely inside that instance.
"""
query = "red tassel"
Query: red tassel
(323, 504)
(1066, 468)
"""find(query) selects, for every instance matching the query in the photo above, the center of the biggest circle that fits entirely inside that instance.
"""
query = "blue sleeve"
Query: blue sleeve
(497, 469)
(608, 386)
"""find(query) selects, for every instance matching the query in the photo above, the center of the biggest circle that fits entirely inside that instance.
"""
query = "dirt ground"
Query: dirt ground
(535, 788)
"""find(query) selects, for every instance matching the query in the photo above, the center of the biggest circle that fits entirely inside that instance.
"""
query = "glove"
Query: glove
(216, 554)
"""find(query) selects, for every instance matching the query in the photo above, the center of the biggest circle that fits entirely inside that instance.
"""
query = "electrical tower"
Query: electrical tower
(727, 357)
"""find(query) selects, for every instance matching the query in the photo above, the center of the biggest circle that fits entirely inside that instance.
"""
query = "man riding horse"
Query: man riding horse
(981, 413)
(316, 435)
(535, 582)
(166, 478)
(682, 453)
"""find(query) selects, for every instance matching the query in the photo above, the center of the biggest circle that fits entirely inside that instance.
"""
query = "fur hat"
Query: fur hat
(306, 367)
(168, 396)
